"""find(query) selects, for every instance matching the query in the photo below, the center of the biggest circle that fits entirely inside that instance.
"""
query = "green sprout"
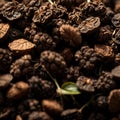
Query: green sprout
(88, 103)
(50, 1)
(68, 88)
(88, 1)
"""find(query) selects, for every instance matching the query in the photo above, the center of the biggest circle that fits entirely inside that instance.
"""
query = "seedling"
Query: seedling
(68, 88)
(88, 1)
(51, 1)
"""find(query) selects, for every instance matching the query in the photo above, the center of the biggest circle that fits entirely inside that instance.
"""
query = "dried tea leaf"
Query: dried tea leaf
(85, 84)
(52, 107)
(89, 25)
(116, 72)
(5, 112)
(116, 36)
(116, 20)
(21, 45)
(71, 35)
(18, 90)
(18, 117)
(71, 114)
(104, 50)
(38, 115)
(5, 80)
(4, 28)
(43, 14)
(12, 10)
(114, 100)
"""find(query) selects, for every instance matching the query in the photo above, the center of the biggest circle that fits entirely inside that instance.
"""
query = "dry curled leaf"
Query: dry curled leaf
(18, 90)
(104, 50)
(114, 100)
(52, 107)
(18, 117)
(71, 35)
(89, 25)
(21, 45)
(116, 20)
(5, 113)
(116, 72)
(43, 14)
(4, 28)
(5, 80)
(13, 10)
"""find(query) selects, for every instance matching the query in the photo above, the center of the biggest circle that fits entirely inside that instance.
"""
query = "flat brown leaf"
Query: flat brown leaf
(3, 29)
(21, 45)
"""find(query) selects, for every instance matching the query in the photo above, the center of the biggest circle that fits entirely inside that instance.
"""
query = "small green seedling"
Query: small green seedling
(88, 1)
(51, 1)
(68, 88)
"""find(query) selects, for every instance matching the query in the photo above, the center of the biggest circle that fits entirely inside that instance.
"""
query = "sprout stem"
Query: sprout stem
(88, 103)
(85, 105)
(59, 89)
(54, 80)
(88, 1)
(51, 1)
